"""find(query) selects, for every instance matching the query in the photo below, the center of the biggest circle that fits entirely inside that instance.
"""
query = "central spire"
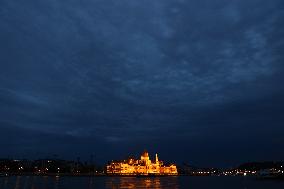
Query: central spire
(157, 159)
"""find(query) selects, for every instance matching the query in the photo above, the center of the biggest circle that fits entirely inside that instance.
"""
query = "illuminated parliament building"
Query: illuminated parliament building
(143, 166)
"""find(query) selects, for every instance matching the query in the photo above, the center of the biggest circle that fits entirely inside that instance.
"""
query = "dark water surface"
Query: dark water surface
(36, 182)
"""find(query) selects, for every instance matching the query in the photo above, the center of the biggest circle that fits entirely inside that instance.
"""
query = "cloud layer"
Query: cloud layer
(142, 74)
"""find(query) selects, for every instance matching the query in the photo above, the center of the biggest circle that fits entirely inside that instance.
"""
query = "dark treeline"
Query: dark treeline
(46, 166)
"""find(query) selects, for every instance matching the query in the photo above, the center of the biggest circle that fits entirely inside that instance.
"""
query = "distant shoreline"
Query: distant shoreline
(281, 178)
(86, 175)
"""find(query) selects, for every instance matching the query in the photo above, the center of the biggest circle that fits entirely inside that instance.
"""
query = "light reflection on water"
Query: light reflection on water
(132, 182)
(38, 182)
(34, 182)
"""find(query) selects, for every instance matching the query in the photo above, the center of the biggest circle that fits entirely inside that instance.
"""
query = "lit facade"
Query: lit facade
(143, 166)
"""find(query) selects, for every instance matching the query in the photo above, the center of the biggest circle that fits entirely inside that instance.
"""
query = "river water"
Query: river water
(37, 182)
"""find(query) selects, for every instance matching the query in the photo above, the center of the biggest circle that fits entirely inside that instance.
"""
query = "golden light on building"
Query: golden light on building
(142, 166)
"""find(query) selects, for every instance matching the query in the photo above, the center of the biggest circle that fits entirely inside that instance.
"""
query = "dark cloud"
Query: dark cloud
(192, 77)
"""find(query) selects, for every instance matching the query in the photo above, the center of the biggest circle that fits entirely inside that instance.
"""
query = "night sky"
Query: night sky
(198, 81)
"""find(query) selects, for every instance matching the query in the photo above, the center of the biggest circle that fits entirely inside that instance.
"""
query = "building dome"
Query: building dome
(145, 154)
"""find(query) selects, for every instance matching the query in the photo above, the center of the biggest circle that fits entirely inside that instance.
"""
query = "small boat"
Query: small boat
(4, 174)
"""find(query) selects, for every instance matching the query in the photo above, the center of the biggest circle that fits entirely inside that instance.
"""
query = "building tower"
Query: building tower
(157, 159)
